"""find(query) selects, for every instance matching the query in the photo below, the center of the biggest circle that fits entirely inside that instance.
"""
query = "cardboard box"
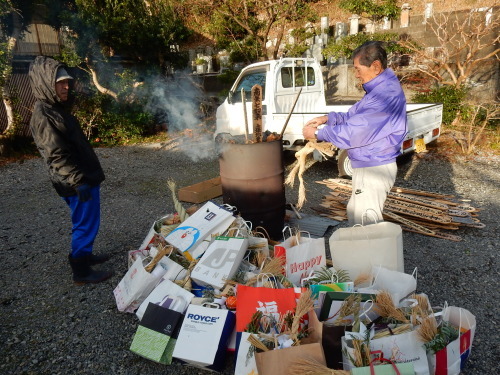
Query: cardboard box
(201, 192)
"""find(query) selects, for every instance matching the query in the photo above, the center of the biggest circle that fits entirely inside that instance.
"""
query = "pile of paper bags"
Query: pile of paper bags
(209, 285)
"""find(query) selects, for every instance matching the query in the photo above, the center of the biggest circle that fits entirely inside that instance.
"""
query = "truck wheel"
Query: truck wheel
(344, 164)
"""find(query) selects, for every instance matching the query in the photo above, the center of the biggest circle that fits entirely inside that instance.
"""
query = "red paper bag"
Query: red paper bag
(270, 301)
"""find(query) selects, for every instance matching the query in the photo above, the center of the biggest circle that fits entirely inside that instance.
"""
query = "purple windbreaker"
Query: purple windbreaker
(374, 128)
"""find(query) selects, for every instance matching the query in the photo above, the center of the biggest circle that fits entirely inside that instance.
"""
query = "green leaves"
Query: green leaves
(451, 97)
(345, 46)
(375, 10)
(446, 334)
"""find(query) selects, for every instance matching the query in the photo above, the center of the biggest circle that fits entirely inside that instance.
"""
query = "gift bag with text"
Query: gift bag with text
(270, 301)
(192, 237)
(136, 285)
(384, 369)
(204, 336)
(220, 261)
(303, 255)
(156, 335)
(403, 348)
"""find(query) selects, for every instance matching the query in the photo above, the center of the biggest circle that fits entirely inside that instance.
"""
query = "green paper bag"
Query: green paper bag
(403, 368)
(156, 335)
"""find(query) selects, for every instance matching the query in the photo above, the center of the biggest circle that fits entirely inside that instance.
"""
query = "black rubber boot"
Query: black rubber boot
(84, 274)
(98, 259)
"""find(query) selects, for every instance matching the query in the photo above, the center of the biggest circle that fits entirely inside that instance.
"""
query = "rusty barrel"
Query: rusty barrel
(252, 178)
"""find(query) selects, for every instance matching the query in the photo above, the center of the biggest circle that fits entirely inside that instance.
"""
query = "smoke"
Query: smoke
(177, 102)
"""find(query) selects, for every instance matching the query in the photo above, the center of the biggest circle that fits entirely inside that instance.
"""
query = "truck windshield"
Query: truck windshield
(247, 81)
(287, 75)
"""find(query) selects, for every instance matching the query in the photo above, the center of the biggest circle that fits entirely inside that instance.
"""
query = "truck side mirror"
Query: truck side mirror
(230, 97)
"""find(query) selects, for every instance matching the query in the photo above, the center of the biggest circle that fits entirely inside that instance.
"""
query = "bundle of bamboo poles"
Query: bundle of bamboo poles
(419, 211)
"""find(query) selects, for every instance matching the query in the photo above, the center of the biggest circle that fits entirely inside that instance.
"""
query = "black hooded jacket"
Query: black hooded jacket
(69, 156)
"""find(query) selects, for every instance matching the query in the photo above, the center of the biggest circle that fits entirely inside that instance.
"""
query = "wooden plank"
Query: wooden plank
(257, 113)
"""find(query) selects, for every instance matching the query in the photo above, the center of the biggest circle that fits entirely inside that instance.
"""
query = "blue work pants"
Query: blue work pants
(86, 218)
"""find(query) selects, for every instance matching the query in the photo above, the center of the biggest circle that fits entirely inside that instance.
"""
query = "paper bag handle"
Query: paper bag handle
(359, 226)
(375, 216)
(382, 359)
(285, 229)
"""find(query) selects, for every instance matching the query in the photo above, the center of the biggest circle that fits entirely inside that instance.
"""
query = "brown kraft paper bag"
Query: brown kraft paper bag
(278, 362)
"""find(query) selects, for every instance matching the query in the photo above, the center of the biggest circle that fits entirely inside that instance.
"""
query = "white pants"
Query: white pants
(370, 186)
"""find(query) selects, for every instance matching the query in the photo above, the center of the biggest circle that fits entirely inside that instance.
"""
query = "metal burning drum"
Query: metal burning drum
(252, 178)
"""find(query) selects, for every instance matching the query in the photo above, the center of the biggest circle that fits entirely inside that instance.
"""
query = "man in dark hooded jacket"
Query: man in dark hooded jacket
(74, 169)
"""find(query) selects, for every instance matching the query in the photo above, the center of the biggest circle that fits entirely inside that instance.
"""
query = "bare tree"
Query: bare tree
(472, 128)
(260, 18)
(10, 12)
(464, 42)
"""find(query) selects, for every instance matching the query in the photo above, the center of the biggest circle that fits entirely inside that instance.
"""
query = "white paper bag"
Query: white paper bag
(403, 348)
(189, 237)
(161, 292)
(174, 270)
(245, 359)
(357, 249)
(306, 256)
(203, 337)
(220, 261)
(452, 359)
(398, 284)
(136, 285)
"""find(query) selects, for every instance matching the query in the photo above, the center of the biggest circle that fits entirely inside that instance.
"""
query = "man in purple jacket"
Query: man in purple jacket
(372, 132)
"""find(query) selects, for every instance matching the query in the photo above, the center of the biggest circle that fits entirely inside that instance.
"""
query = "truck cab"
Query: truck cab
(281, 80)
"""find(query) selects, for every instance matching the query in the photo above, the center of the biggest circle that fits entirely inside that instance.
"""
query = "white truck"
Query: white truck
(281, 80)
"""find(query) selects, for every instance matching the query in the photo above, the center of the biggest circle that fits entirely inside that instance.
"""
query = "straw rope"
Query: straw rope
(324, 148)
(183, 215)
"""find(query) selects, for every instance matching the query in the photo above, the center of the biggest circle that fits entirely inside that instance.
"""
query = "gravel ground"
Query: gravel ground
(50, 326)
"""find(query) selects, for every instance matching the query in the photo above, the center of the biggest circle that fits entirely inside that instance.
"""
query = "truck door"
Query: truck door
(295, 74)
(232, 120)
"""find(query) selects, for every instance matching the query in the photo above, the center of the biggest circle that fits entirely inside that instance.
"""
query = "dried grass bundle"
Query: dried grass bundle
(162, 251)
(393, 331)
(350, 306)
(260, 258)
(363, 278)
(304, 366)
(423, 303)
(273, 267)
(186, 282)
(361, 353)
(252, 339)
(257, 246)
(386, 308)
(304, 305)
(428, 329)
